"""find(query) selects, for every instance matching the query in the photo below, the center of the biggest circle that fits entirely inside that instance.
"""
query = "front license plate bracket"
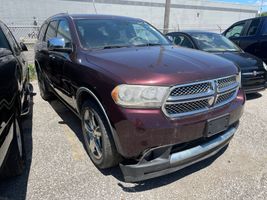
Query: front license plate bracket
(217, 125)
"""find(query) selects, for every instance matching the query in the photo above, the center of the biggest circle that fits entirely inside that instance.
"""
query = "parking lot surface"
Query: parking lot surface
(59, 168)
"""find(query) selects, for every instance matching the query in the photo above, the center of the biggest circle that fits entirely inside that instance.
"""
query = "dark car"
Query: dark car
(250, 35)
(254, 70)
(14, 102)
(143, 102)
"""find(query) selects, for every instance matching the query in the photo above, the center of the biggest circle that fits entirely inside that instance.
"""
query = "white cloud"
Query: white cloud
(259, 2)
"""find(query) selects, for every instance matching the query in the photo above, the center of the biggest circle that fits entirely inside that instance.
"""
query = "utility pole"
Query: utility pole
(167, 16)
(261, 7)
(94, 6)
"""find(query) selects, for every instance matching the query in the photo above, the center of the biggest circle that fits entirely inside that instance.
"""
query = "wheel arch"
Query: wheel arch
(84, 93)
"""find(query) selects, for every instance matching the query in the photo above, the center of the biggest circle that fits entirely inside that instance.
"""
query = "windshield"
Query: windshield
(115, 33)
(213, 42)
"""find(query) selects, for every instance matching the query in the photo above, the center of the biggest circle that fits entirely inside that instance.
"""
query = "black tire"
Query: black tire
(110, 156)
(15, 161)
(45, 93)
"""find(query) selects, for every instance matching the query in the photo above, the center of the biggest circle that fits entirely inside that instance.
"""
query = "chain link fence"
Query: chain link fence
(29, 34)
(24, 32)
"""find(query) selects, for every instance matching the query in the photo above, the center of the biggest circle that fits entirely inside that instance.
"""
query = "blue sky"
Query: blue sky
(257, 2)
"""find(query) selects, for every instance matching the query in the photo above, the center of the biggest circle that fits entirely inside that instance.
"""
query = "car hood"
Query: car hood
(161, 65)
(245, 61)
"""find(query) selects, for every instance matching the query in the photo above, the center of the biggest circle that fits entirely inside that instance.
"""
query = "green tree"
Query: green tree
(264, 14)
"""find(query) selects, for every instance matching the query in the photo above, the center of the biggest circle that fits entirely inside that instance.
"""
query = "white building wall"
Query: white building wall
(190, 14)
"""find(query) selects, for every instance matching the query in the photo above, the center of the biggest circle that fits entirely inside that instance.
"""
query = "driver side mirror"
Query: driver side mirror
(23, 47)
(58, 44)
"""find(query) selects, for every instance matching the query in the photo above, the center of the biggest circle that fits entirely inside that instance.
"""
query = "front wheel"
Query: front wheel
(98, 138)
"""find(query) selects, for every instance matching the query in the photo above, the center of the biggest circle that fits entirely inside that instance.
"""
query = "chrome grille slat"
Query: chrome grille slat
(225, 82)
(187, 106)
(201, 96)
(191, 89)
(225, 96)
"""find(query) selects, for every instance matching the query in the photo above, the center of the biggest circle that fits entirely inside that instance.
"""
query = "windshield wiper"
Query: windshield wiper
(113, 47)
(126, 46)
(148, 44)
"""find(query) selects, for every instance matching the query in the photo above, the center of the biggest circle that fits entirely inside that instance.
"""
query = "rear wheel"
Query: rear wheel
(98, 138)
(15, 162)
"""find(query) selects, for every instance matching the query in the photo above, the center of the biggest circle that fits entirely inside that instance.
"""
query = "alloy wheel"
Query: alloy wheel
(93, 133)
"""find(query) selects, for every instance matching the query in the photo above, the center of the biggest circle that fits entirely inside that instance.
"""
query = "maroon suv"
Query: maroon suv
(150, 106)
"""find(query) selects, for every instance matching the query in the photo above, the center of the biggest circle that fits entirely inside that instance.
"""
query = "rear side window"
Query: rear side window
(64, 32)
(235, 31)
(252, 30)
(3, 41)
(51, 31)
(264, 28)
(42, 32)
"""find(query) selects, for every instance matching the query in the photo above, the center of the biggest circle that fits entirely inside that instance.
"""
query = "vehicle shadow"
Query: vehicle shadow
(253, 96)
(16, 187)
(74, 124)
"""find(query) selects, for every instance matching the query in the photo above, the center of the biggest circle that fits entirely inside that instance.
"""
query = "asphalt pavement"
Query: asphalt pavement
(59, 168)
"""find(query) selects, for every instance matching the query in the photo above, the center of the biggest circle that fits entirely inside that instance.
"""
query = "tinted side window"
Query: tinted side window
(12, 42)
(42, 32)
(64, 32)
(252, 30)
(235, 31)
(182, 41)
(264, 28)
(51, 31)
(3, 40)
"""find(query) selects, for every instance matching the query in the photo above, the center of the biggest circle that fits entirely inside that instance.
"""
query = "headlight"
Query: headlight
(265, 66)
(137, 96)
(238, 78)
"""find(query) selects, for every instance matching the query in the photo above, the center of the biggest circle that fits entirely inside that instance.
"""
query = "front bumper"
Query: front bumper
(137, 130)
(165, 162)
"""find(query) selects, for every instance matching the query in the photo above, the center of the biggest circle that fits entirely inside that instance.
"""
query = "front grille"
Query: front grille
(254, 78)
(225, 97)
(225, 82)
(199, 97)
(187, 106)
(191, 89)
